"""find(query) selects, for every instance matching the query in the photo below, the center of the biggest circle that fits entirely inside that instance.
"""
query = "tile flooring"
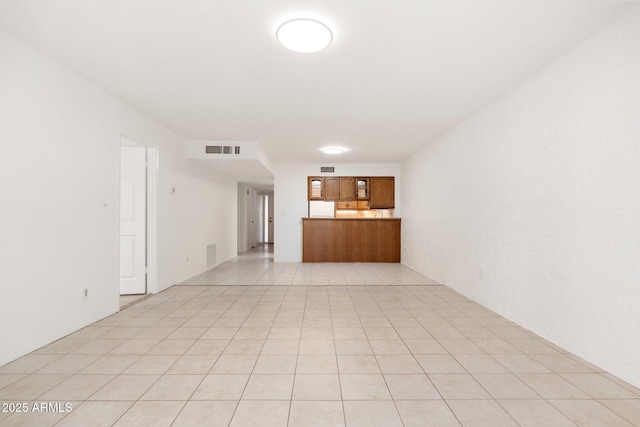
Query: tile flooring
(266, 344)
(257, 268)
(129, 300)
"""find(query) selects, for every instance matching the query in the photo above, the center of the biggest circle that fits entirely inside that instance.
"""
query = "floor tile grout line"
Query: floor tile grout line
(377, 295)
(295, 370)
(204, 376)
(382, 373)
(439, 392)
(335, 354)
(252, 369)
(466, 370)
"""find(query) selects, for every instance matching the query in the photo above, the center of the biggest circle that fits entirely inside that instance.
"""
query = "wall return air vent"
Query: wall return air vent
(222, 149)
(327, 169)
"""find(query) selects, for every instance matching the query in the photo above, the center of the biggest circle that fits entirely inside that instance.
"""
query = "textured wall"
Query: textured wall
(532, 206)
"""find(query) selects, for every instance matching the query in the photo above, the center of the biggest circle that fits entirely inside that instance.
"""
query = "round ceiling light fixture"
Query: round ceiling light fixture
(332, 150)
(304, 35)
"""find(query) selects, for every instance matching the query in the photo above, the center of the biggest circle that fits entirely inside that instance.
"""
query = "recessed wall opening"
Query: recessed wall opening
(266, 219)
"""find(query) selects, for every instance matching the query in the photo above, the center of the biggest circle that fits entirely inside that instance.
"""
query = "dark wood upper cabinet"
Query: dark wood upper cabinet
(315, 188)
(377, 190)
(382, 192)
(332, 188)
(362, 188)
(347, 188)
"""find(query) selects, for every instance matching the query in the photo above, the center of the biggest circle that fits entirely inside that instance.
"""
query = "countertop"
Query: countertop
(351, 219)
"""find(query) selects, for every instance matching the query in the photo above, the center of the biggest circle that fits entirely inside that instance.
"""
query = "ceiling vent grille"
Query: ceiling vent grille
(222, 149)
(327, 169)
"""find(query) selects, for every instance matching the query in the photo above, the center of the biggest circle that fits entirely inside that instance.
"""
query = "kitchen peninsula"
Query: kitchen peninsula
(351, 220)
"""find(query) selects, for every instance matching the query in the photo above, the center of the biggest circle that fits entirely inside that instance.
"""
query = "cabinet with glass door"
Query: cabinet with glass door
(362, 188)
(315, 188)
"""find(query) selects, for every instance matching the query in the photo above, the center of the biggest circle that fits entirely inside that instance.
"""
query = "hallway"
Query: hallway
(253, 342)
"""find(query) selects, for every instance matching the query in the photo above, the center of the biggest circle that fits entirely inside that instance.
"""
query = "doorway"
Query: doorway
(133, 217)
(267, 218)
(255, 218)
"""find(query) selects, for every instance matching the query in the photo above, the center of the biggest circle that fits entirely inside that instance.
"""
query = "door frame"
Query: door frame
(152, 167)
(152, 208)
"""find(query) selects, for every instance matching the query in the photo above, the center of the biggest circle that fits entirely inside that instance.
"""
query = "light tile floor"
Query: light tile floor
(129, 300)
(319, 345)
(257, 268)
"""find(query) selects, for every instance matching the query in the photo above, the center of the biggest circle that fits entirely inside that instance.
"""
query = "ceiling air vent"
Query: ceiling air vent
(222, 149)
(327, 169)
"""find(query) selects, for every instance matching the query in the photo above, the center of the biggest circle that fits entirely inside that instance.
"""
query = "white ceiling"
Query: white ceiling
(398, 74)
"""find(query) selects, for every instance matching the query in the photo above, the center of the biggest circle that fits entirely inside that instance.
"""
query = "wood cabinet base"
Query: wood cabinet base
(350, 240)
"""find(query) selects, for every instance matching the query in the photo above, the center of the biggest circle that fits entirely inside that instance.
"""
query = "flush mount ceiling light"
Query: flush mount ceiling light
(332, 150)
(304, 35)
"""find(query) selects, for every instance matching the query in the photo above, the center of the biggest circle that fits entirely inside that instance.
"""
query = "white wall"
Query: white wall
(203, 211)
(290, 200)
(532, 206)
(60, 142)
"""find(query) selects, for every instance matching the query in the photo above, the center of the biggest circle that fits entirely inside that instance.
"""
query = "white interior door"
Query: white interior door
(132, 219)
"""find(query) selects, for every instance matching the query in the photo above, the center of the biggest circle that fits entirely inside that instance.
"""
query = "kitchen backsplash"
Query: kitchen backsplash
(365, 213)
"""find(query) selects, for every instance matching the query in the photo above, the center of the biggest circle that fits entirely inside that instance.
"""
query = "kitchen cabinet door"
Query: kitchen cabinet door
(382, 192)
(332, 188)
(347, 188)
(315, 188)
(362, 188)
(347, 205)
